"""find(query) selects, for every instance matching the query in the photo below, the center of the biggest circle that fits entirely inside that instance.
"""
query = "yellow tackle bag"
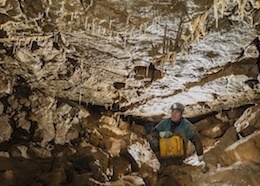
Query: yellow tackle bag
(171, 147)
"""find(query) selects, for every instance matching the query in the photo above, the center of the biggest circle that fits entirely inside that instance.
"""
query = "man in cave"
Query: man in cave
(176, 125)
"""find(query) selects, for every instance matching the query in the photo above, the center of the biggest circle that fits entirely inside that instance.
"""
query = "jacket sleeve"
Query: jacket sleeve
(197, 143)
(154, 134)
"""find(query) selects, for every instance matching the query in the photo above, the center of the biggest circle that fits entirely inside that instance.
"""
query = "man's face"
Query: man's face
(176, 115)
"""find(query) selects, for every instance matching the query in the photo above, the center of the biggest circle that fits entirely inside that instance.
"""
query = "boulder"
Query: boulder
(142, 154)
(120, 166)
(83, 113)
(212, 127)
(213, 155)
(24, 124)
(57, 177)
(82, 179)
(19, 151)
(45, 130)
(5, 128)
(108, 120)
(39, 152)
(249, 121)
(138, 129)
(1, 108)
(245, 149)
(114, 146)
(98, 171)
(202, 124)
(8, 178)
(216, 130)
(4, 154)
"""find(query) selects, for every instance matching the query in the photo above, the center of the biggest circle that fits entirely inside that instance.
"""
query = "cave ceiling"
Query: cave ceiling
(135, 57)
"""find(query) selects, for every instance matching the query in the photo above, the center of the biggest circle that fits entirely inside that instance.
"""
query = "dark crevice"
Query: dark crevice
(3, 34)
(22, 88)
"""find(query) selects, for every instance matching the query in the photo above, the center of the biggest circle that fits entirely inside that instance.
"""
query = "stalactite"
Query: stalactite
(125, 38)
(82, 70)
(186, 37)
(187, 52)
(117, 37)
(19, 44)
(14, 47)
(223, 6)
(194, 24)
(127, 20)
(216, 12)
(197, 35)
(71, 16)
(173, 58)
(90, 5)
(89, 27)
(141, 28)
(104, 32)
(80, 96)
(106, 106)
(239, 3)
(145, 27)
(118, 120)
(257, 3)
(55, 38)
(64, 56)
(47, 11)
(242, 10)
(93, 25)
(62, 6)
(86, 23)
(110, 24)
(110, 36)
(202, 23)
(147, 71)
(131, 32)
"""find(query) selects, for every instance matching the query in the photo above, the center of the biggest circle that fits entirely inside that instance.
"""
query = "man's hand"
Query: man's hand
(205, 168)
(200, 158)
(165, 134)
